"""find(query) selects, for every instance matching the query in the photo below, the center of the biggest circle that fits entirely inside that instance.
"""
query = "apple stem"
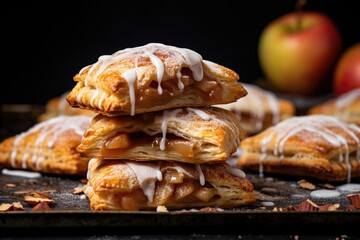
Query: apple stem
(298, 9)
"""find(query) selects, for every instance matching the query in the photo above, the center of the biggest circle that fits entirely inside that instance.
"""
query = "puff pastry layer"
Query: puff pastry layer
(58, 106)
(316, 146)
(48, 147)
(150, 78)
(192, 135)
(346, 107)
(129, 185)
(260, 109)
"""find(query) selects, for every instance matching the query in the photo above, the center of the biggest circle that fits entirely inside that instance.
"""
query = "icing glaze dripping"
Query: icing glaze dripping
(349, 187)
(324, 193)
(236, 172)
(48, 131)
(167, 116)
(146, 175)
(258, 100)
(201, 174)
(319, 126)
(130, 76)
(181, 56)
(20, 173)
(345, 100)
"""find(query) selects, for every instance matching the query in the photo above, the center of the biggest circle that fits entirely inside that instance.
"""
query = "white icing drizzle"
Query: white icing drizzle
(236, 172)
(349, 187)
(180, 83)
(167, 116)
(345, 100)
(91, 161)
(319, 126)
(267, 204)
(203, 115)
(324, 193)
(182, 56)
(255, 103)
(20, 173)
(54, 127)
(130, 76)
(201, 174)
(94, 97)
(146, 174)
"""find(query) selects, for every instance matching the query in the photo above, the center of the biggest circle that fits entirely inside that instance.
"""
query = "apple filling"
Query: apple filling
(126, 141)
(174, 188)
(206, 89)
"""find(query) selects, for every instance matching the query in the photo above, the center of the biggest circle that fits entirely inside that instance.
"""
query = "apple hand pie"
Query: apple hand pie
(150, 78)
(192, 135)
(58, 106)
(346, 107)
(48, 147)
(316, 146)
(259, 109)
(130, 185)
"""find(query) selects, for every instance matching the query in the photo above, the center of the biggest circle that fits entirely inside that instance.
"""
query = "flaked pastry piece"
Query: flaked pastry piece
(48, 147)
(192, 135)
(346, 107)
(150, 78)
(317, 146)
(58, 106)
(259, 109)
(130, 185)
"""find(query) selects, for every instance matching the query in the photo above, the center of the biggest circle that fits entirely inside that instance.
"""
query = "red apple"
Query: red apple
(347, 71)
(297, 51)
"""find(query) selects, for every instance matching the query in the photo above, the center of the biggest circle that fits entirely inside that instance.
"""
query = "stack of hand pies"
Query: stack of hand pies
(157, 140)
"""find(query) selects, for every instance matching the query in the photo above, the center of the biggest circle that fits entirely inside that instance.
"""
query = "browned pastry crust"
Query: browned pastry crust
(150, 78)
(346, 107)
(48, 147)
(317, 146)
(260, 109)
(115, 185)
(58, 106)
(192, 135)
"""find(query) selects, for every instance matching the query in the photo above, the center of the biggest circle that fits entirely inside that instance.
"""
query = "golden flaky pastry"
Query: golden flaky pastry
(150, 78)
(346, 107)
(259, 109)
(317, 146)
(192, 135)
(58, 106)
(48, 147)
(130, 185)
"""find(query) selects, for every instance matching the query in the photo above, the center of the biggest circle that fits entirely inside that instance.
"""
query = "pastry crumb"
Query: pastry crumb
(161, 209)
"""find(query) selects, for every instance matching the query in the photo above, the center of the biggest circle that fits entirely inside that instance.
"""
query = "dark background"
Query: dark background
(45, 43)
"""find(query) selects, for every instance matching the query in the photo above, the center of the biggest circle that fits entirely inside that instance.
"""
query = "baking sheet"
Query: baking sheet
(71, 210)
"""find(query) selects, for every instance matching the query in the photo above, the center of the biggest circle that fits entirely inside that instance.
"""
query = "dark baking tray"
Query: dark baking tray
(72, 211)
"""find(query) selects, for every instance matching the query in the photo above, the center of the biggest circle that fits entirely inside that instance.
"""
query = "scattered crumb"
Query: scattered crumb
(161, 209)
(327, 186)
(306, 185)
(41, 206)
(9, 185)
(354, 199)
(79, 190)
(33, 198)
(15, 206)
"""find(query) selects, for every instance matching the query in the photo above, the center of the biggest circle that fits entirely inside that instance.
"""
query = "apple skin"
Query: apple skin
(347, 71)
(295, 59)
